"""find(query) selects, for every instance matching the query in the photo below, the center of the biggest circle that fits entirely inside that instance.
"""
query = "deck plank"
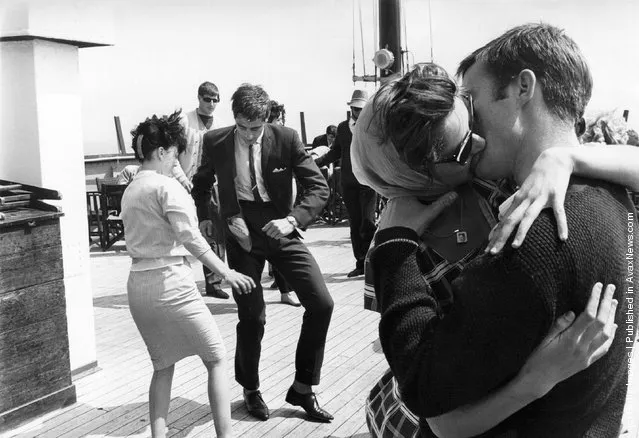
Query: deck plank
(112, 402)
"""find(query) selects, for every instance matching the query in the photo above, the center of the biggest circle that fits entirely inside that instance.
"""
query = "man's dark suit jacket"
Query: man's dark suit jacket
(341, 149)
(283, 156)
(320, 140)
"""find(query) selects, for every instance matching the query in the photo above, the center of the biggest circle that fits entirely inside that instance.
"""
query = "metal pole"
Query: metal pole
(303, 128)
(390, 33)
(118, 133)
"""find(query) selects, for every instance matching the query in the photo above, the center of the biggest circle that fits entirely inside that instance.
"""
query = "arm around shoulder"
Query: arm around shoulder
(614, 163)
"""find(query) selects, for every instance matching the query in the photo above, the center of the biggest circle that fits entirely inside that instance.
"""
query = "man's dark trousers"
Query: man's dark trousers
(294, 261)
(360, 202)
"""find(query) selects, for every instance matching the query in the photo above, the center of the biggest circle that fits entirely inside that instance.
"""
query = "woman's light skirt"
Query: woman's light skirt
(172, 317)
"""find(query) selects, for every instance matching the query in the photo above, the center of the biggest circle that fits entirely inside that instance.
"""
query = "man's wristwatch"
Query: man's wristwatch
(292, 221)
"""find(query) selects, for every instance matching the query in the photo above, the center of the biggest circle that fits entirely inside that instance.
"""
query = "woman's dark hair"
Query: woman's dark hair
(411, 111)
(277, 110)
(156, 132)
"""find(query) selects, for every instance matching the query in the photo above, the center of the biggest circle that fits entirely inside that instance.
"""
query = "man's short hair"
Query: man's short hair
(252, 102)
(411, 110)
(558, 64)
(208, 89)
(331, 130)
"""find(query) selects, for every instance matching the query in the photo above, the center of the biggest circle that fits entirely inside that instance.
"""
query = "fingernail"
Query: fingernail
(569, 315)
(516, 244)
(493, 250)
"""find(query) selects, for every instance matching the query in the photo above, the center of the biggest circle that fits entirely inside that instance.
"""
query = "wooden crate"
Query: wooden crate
(35, 374)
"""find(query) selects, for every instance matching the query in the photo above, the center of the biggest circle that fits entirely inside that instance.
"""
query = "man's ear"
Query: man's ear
(526, 82)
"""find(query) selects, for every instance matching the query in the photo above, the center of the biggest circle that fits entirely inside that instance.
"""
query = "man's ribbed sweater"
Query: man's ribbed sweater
(503, 307)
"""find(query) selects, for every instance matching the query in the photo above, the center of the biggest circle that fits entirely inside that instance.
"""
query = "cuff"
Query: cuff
(393, 233)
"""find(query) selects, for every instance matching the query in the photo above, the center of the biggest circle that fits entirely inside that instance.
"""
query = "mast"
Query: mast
(390, 35)
(389, 57)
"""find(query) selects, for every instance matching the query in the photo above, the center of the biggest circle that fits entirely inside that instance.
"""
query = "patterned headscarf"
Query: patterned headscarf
(378, 165)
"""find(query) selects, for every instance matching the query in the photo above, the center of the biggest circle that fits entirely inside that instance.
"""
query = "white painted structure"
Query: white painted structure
(41, 132)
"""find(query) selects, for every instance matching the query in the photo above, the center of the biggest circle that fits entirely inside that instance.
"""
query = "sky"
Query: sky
(302, 52)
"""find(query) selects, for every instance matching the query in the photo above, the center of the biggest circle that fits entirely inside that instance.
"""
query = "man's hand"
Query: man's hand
(206, 228)
(278, 228)
(240, 283)
(408, 212)
(572, 347)
(544, 187)
(188, 185)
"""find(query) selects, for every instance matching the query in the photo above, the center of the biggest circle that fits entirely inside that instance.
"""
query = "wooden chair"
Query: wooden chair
(111, 226)
(94, 216)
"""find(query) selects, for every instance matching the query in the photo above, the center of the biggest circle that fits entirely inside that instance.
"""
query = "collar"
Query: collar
(197, 111)
(257, 141)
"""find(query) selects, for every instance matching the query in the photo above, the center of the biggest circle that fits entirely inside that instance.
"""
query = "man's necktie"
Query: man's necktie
(256, 192)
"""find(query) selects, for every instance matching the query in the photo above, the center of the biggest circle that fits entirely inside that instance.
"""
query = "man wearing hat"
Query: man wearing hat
(359, 199)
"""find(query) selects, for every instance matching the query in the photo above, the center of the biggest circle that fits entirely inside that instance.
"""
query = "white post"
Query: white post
(41, 132)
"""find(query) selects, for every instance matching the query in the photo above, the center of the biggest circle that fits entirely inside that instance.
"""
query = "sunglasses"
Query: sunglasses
(462, 152)
(211, 99)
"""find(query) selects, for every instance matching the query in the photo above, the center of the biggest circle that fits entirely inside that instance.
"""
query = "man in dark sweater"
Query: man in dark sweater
(359, 199)
(530, 88)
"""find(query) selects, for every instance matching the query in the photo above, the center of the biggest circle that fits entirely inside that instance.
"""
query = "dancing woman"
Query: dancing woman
(161, 230)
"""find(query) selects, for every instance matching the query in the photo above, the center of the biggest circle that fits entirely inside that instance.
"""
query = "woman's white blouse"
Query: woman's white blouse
(160, 222)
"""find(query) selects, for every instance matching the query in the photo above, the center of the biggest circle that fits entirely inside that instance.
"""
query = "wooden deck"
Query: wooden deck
(112, 402)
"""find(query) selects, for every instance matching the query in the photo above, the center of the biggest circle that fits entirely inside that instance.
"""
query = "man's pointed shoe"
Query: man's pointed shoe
(309, 403)
(255, 405)
(355, 272)
(214, 290)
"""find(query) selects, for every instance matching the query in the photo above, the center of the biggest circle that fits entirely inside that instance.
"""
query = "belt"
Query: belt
(256, 204)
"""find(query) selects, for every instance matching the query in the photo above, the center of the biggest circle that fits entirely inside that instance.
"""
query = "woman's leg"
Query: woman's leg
(219, 397)
(159, 399)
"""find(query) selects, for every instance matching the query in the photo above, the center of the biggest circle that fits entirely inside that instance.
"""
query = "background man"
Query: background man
(198, 122)
(359, 199)
(327, 138)
(254, 163)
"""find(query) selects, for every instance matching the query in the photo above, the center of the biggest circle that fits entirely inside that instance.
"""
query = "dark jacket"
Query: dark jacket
(341, 149)
(283, 156)
(320, 140)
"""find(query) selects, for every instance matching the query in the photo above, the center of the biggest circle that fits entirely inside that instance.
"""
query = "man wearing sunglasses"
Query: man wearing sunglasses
(197, 123)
